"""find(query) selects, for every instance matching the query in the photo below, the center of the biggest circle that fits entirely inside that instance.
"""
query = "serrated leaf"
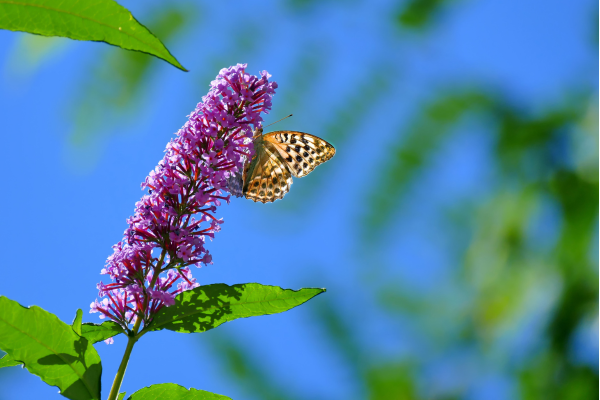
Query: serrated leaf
(95, 20)
(76, 325)
(98, 332)
(50, 349)
(8, 361)
(209, 306)
(171, 391)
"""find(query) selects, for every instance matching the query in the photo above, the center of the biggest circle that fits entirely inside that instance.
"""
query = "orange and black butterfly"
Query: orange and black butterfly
(278, 156)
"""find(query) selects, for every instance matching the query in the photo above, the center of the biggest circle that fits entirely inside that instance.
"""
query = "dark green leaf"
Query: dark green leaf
(50, 349)
(96, 333)
(76, 325)
(207, 307)
(7, 361)
(171, 391)
(419, 13)
(96, 20)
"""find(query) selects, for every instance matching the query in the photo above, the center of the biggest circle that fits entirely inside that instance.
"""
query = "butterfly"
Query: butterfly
(277, 156)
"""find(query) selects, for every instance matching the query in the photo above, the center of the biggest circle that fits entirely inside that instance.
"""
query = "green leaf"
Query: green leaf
(96, 20)
(171, 391)
(98, 332)
(207, 307)
(121, 396)
(50, 349)
(76, 325)
(7, 361)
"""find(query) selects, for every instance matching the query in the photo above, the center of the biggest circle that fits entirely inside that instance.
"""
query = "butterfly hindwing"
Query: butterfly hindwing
(267, 176)
(302, 152)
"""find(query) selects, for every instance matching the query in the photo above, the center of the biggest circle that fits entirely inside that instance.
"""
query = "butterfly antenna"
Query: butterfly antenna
(279, 120)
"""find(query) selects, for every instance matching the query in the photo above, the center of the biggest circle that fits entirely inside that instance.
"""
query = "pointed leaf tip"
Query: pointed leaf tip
(76, 325)
(95, 20)
(7, 361)
(98, 332)
(209, 306)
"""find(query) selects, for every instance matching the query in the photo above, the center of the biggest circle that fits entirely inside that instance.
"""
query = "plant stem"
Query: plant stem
(132, 338)
(114, 391)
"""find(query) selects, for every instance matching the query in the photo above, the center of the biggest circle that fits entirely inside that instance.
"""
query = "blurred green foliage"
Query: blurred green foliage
(248, 371)
(419, 14)
(502, 267)
(416, 143)
(505, 276)
(110, 95)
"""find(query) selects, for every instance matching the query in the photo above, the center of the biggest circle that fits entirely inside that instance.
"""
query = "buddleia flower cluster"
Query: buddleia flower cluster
(167, 233)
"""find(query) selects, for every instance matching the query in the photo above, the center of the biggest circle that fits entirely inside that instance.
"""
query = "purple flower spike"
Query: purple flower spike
(164, 238)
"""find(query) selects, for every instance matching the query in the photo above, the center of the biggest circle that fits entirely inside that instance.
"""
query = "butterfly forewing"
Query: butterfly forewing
(301, 151)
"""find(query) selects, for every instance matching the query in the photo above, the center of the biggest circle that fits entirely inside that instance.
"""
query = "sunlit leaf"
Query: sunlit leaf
(76, 325)
(95, 20)
(171, 391)
(209, 306)
(50, 349)
(96, 333)
(8, 361)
